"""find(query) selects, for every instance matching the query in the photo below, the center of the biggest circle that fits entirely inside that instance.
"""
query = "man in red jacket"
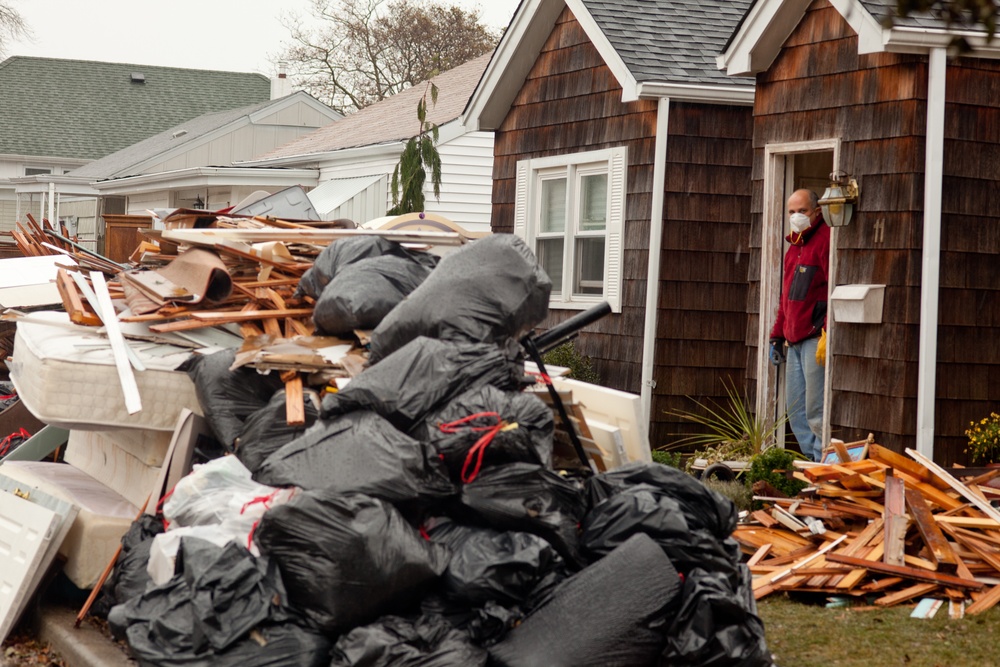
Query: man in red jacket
(802, 318)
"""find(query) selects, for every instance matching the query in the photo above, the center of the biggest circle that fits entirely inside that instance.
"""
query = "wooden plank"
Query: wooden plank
(962, 489)
(133, 402)
(761, 582)
(250, 315)
(908, 593)
(906, 572)
(895, 522)
(295, 407)
(78, 313)
(759, 555)
(900, 462)
(985, 603)
(981, 523)
(937, 545)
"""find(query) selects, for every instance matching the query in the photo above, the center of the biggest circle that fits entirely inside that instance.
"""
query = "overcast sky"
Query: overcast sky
(232, 35)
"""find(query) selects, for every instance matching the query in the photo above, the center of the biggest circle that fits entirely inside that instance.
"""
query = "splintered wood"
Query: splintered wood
(893, 526)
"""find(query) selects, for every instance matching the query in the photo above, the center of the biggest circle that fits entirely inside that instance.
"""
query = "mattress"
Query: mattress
(66, 376)
(97, 531)
(100, 457)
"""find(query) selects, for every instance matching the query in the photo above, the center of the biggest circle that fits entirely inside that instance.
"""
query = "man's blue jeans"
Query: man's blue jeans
(804, 396)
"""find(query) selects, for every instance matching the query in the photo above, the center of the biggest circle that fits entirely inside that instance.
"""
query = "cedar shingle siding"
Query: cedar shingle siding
(570, 103)
(820, 87)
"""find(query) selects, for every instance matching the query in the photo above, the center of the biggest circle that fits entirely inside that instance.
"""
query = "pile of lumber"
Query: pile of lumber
(888, 529)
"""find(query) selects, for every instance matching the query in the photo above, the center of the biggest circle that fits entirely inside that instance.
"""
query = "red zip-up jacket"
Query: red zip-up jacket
(802, 311)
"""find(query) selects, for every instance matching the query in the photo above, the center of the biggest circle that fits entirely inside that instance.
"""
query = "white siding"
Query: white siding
(466, 181)
(138, 204)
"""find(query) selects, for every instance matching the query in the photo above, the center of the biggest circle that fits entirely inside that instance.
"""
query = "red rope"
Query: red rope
(542, 377)
(474, 457)
(5, 444)
(253, 529)
(266, 500)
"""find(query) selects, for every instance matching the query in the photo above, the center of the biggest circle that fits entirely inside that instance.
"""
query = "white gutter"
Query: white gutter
(930, 276)
(653, 259)
(206, 176)
(686, 92)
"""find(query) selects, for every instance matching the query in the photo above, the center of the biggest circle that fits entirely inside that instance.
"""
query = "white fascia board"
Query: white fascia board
(513, 58)
(65, 185)
(31, 159)
(626, 80)
(208, 177)
(448, 132)
(908, 39)
(309, 160)
(684, 92)
(761, 36)
(295, 98)
(871, 34)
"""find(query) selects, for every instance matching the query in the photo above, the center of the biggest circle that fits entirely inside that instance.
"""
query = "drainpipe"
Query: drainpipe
(655, 250)
(930, 276)
(52, 206)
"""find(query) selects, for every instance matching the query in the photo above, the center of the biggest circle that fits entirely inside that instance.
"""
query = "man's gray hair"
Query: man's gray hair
(813, 199)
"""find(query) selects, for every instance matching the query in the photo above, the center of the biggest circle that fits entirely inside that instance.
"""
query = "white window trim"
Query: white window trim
(526, 212)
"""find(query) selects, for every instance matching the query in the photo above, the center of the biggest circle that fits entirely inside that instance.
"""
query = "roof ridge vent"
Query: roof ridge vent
(138, 77)
(178, 133)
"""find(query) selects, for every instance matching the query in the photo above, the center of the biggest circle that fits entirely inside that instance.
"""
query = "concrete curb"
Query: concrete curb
(85, 646)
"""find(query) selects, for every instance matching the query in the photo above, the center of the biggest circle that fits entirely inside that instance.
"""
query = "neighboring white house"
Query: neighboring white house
(188, 165)
(355, 157)
(57, 115)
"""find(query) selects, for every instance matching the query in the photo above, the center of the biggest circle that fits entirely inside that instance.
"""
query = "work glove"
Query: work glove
(821, 349)
(777, 351)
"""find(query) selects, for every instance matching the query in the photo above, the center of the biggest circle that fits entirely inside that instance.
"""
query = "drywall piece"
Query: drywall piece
(858, 303)
(614, 408)
(27, 530)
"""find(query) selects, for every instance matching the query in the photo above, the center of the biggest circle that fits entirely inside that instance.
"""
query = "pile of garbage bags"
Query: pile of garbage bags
(416, 519)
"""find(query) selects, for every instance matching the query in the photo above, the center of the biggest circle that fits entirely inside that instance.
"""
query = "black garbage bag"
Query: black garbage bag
(344, 252)
(487, 426)
(490, 290)
(692, 523)
(613, 613)
(422, 376)
(703, 507)
(217, 596)
(347, 559)
(392, 641)
(267, 430)
(129, 578)
(510, 568)
(715, 626)
(363, 293)
(228, 398)
(529, 498)
(651, 510)
(360, 453)
(484, 625)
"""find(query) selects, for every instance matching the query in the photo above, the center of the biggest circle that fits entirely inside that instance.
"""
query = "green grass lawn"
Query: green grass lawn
(804, 634)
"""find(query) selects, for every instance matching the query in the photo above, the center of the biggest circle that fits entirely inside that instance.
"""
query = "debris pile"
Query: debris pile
(887, 529)
(413, 515)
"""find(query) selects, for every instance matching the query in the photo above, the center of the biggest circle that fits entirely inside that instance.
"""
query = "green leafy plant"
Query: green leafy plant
(672, 459)
(984, 438)
(764, 465)
(731, 431)
(735, 490)
(580, 366)
(419, 155)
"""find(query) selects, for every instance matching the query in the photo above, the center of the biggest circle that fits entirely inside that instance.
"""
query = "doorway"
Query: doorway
(789, 167)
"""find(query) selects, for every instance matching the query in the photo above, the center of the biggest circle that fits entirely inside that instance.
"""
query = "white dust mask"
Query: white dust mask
(800, 222)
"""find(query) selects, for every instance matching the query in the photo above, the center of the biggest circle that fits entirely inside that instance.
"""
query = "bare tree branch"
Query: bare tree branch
(352, 53)
(12, 26)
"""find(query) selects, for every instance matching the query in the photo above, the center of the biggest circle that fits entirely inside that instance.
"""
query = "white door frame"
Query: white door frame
(771, 254)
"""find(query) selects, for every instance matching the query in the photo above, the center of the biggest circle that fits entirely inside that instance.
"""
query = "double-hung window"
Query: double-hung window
(570, 210)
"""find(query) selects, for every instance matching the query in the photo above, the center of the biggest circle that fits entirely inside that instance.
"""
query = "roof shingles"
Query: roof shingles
(84, 109)
(670, 41)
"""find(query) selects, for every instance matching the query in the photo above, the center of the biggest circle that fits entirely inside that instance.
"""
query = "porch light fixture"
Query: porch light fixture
(839, 199)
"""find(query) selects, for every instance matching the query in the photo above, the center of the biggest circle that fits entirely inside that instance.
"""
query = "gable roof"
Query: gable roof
(86, 109)
(129, 160)
(767, 24)
(668, 40)
(393, 119)
(654, 48)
